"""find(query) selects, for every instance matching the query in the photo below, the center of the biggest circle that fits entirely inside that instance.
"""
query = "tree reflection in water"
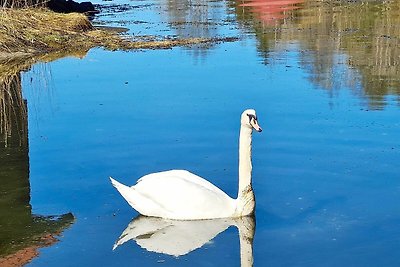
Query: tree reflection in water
(19, 228)
(353, 44)
(193, 19)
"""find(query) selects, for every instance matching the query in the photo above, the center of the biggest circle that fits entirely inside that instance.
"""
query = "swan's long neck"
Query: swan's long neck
(245, 200)
(245, 166)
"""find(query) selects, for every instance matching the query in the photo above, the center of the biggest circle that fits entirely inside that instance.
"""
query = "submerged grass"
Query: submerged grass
(38, 30)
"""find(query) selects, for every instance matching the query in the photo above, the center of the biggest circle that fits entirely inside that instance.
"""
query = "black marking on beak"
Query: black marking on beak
(251, 116)
(254, 118)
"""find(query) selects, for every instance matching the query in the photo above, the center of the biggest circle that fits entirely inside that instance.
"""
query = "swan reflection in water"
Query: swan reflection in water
(177, 238)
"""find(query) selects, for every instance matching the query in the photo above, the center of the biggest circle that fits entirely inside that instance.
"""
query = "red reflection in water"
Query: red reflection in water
(271, 10)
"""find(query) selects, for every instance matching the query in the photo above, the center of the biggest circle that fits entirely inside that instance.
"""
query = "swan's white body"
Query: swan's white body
(177, 194)
(181, 195)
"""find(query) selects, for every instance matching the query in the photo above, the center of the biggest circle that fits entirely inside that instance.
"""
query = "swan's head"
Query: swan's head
(249, 119)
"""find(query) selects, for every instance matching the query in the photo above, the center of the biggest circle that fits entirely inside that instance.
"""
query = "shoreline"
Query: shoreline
(31, 32)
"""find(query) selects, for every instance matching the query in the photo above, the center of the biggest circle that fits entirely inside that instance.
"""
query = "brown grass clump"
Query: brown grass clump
(117, 42)
(34, 30)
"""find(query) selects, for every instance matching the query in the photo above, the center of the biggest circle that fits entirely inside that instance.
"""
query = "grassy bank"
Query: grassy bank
(38, 30)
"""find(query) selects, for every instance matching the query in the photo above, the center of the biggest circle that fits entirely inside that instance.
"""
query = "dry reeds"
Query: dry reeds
(28, 29)
(21, 3)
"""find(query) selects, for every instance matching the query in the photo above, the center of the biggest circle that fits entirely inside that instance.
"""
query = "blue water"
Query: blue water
(325, 168)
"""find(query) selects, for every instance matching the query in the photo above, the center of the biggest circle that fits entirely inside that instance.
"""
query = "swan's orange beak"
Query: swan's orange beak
(254, 124)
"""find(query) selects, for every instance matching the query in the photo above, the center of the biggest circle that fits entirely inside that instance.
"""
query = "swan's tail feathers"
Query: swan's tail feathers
(136, 200)
(117, 184)
(128, 193)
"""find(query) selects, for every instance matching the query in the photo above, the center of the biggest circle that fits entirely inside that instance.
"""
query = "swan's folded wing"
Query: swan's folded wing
(185, 195)
(184, 175)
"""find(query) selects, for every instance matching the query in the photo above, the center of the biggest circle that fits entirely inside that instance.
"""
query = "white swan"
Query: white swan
(181, 195)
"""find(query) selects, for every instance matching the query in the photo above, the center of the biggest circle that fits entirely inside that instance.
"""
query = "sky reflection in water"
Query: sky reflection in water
(325, 167)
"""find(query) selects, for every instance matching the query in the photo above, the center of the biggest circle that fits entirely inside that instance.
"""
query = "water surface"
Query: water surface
(324, 79)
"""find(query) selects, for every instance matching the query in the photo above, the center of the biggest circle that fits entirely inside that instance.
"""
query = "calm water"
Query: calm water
(325, 81)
